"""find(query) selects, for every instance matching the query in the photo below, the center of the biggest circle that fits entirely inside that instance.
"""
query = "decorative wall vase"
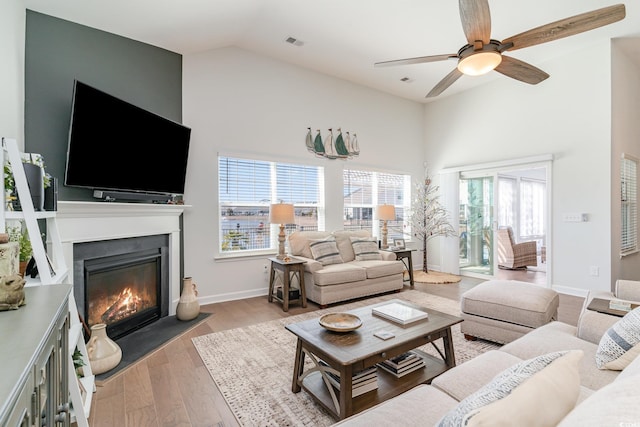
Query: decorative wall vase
(104, 353)
(188, 307)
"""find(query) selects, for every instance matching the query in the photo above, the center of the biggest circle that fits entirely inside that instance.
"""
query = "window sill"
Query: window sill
(235, 256)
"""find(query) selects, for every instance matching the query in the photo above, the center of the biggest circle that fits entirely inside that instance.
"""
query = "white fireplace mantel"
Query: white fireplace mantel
(94, 221)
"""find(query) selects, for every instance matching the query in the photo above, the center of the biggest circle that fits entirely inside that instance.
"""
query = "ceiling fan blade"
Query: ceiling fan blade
(567, 27)
(520, 70)
(448, 80)
(417, 60)
(476, 20)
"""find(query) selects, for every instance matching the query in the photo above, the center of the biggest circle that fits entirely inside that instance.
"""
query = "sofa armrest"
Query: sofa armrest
(628, 290)
(310, 264)
(388, 256)
(592, 325)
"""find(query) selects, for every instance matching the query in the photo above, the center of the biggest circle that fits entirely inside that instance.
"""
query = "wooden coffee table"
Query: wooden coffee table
(359, 349)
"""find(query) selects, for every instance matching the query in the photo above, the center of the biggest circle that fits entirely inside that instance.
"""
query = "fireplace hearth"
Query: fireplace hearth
(123, 283)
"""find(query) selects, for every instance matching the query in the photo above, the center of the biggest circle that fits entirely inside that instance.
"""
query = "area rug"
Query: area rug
(253, 366)
(434, 277)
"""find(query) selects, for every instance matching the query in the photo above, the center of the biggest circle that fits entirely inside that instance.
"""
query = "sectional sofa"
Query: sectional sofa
(576, 393)
(343, 265)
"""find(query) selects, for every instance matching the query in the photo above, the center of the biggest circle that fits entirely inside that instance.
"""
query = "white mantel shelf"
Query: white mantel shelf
(80, 222)
(84, 209)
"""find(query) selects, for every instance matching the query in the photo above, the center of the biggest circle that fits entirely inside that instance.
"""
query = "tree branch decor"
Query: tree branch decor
(428, 218)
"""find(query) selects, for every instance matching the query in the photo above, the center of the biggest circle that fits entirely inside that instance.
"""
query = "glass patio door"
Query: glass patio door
(476, 224)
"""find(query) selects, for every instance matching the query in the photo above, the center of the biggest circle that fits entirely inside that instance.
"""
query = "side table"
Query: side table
(290, 268)
(404, 255)
(602, 306)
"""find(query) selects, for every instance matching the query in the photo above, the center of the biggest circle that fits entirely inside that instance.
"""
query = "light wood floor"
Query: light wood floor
(172, 387)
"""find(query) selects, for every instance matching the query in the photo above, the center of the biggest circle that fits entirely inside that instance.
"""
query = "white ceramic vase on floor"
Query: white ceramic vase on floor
(104, 353)
(188, 307)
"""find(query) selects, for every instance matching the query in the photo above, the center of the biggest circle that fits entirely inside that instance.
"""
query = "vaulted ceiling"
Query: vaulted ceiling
(342, 38)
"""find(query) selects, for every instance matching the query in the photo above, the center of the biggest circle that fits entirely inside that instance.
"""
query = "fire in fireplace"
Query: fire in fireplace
(122, 283)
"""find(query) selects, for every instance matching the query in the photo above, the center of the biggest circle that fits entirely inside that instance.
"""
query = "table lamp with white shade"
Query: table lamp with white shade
(385, 213)
(281, 213)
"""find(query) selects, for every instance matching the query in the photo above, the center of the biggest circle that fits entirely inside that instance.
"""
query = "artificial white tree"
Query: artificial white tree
(428, 218)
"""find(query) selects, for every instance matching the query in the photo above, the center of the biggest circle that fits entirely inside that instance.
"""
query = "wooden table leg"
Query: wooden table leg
(450, 356)
(285, 288)
(303, 292)
(346, 391)
(410, 269)
(272, 276)
(298, 367)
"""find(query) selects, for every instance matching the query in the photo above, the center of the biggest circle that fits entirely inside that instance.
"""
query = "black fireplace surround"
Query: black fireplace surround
(122, 282)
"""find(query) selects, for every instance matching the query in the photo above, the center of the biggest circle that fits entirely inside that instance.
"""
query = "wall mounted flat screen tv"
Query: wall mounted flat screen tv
(115, 145)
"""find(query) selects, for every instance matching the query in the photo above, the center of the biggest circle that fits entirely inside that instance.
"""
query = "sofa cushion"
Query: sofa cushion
(473, 374)
(343, 240)
(559, 336)
(339, 273)
(619, 345)
(503, 384)
(375, 269)
(614, 405)
(365, 248)
(299, 242)
(325, 251)
(632, 369)
(540, 401)
(419, 407)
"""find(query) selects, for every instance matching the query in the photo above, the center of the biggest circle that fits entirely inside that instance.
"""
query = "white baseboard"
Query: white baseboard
(233, 296)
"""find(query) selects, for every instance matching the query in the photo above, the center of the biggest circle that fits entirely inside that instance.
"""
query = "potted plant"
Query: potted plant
(19, 234)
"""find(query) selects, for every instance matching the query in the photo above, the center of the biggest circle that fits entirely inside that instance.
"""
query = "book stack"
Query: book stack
(403, 364)
(362, 381)
(400, 313)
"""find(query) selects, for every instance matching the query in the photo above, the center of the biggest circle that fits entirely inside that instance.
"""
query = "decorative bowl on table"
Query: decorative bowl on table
(340, 322)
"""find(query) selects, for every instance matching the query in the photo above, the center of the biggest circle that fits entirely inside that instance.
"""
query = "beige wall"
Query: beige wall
(625, 139)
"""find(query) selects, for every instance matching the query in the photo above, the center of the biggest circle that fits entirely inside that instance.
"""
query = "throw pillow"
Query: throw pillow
(500, 386)
(619, 345)
(542, 400)
(365, 248)
(325, 251)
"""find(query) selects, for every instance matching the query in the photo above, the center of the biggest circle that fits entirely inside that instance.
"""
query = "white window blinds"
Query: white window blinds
(629, 205)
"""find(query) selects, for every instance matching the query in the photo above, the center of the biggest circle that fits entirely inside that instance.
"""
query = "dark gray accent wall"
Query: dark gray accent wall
(59, 51)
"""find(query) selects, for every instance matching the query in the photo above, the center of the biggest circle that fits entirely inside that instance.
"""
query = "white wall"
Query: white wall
(625, 139)
(239, 102)
(12, 30)
(568, 115)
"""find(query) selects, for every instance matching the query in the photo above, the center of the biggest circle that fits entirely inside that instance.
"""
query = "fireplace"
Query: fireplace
(123, 283)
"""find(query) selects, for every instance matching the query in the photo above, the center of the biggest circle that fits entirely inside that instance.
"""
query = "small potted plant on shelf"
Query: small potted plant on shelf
(19, 234)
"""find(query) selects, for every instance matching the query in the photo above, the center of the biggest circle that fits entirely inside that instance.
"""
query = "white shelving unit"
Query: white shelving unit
(52, 270)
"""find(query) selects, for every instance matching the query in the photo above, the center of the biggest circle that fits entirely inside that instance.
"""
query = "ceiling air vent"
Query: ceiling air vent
(294, 41)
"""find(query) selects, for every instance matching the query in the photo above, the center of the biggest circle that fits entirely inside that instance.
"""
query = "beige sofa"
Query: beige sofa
(349, 279)
(605, 397)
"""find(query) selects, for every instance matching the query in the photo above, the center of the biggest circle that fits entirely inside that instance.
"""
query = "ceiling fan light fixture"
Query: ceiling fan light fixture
(479, 63)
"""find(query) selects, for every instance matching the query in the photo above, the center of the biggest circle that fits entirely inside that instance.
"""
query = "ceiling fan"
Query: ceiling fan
(483, 54)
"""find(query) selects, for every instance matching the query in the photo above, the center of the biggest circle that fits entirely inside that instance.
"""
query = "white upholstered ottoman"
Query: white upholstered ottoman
(503, 310)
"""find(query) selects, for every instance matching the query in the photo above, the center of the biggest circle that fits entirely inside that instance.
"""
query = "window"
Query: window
(532, 207)
(247, 188)
(364, 190)
(629, 205)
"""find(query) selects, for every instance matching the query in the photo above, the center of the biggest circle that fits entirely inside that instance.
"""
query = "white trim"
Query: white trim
(502, 164)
